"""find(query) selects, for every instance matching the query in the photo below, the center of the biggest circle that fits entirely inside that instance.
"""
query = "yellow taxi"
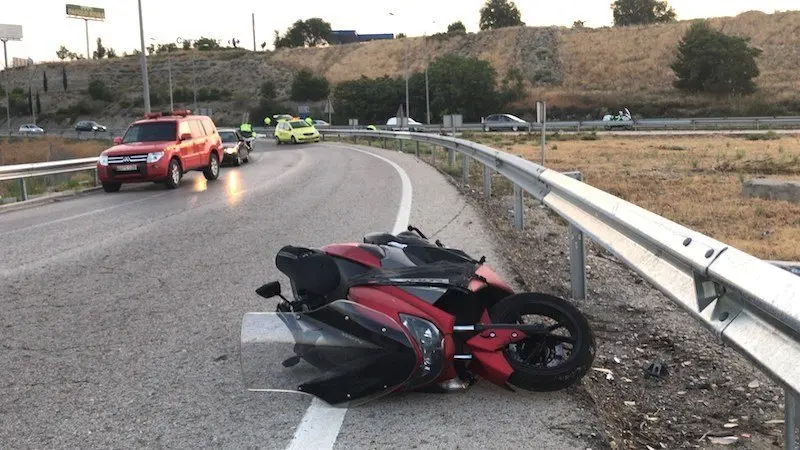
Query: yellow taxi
(295, 131)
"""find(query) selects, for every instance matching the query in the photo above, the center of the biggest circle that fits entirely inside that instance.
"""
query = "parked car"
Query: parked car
(90, 125)
(295, 131)
(413, 125)
(504, 122)
(234, 147)
(30, 128)
(162, 148)
(320, 123)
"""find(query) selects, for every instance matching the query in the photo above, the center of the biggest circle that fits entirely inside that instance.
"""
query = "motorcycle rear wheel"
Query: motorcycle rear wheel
(527, 374)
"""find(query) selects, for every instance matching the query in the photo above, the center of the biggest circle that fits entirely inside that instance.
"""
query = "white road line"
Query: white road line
(321, 423)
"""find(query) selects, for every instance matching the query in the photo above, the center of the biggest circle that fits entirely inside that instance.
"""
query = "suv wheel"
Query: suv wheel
(211, 172)
(277, 140)
(294, 141)
(111, 187)
(174, 174)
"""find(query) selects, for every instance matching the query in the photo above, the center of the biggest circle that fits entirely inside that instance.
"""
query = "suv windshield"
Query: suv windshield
(299, 124)
(151, 132)
(228, 136)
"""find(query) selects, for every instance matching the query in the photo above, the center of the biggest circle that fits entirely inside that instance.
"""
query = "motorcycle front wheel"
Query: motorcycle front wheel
(557, 356)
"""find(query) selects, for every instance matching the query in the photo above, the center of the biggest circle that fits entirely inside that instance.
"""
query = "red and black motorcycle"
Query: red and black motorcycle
(399, 313)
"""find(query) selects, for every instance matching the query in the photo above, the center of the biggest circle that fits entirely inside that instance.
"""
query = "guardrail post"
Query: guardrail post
(417, 151)
(464, 169)
(577, 263)
(451, 157)
(23, 189)
(519, 221)
(401, 146)
(487, 181)
(791, 409)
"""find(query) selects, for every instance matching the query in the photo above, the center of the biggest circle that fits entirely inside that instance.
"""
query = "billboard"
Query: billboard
(10, 32)
(21, 62)
(86, 12)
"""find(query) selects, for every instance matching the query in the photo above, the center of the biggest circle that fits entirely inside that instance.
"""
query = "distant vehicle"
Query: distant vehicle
(321, 123)
(621, 120)
(504, 122)
(234, 147)
(30, 128)
(413, 125)
(283, 117)
(90, 125)
(161, 148)
(295, 131)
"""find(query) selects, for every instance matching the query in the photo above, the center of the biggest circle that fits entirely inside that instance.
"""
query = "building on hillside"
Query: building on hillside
(21, 62)
(350, 36)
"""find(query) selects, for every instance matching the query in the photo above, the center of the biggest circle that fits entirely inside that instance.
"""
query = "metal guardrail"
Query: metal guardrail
(698, 123)
(749, 304)
(22, 172)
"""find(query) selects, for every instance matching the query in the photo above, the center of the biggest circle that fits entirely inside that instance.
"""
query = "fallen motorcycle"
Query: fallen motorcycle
(399, 313)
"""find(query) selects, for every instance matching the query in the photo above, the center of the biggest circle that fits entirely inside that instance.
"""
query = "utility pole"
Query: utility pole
(408, 110)
(88, 55)
(30, 93)
(254, 31)
(7, 87)
(143, 60)
(427, 91)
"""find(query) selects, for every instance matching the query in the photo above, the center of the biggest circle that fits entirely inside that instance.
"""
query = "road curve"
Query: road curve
(121, 312)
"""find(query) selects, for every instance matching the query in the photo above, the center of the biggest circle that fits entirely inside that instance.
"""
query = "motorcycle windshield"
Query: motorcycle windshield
(343, 353)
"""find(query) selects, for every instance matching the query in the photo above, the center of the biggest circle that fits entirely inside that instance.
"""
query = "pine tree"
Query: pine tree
(64, 77)
(44, 80)
(38, 104)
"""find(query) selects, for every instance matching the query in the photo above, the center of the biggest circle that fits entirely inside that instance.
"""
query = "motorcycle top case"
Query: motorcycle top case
(343, 353)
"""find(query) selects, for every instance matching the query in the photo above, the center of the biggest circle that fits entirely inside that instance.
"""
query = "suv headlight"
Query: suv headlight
(431, 343)
(103, 160)
(154, 156)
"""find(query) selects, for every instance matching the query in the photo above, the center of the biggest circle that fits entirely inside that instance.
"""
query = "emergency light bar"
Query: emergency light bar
(177, 112)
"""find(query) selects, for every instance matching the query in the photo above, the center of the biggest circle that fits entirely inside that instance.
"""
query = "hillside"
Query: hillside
(580, 72)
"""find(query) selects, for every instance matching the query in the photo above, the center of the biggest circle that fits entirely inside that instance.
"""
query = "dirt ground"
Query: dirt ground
(23, 150)
(710, 397)
(692, 180)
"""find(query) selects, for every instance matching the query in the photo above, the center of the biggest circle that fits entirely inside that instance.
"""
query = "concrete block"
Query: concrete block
(772, 189)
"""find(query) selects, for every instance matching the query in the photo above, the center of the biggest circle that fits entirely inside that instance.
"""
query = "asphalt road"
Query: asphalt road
(122, 312)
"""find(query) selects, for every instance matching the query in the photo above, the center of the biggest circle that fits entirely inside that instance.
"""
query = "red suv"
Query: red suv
(161, 148)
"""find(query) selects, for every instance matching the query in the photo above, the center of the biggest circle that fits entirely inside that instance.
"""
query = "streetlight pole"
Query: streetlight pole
(405, 74)
(143, 61)
(7, 88)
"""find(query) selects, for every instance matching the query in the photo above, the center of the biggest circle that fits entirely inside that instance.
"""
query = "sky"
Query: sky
(45, 25)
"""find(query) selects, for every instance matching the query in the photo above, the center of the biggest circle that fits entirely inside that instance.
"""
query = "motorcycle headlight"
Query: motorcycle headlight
(431, 343)
(103, 160)
(154, 156)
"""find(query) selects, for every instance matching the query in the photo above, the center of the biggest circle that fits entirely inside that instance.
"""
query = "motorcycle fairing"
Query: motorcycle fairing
(445, 274)
(343, 353)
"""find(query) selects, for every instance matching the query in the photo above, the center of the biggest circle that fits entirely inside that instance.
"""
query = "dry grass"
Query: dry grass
(17, 150)
(695, 181)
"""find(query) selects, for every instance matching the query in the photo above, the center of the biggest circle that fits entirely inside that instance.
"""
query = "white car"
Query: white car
(30, 128)
(413, 125)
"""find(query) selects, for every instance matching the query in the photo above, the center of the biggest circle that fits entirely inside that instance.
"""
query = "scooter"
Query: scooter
(398, 313)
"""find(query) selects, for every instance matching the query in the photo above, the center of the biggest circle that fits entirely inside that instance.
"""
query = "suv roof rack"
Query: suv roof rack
(177, 112)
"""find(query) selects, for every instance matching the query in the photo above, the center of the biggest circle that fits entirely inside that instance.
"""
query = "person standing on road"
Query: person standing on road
(309, 121)
(267, 121)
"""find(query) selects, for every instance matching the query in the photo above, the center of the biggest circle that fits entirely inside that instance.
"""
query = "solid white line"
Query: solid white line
(321, 423)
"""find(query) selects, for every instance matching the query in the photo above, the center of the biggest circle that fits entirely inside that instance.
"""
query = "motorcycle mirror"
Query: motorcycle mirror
(269, 290)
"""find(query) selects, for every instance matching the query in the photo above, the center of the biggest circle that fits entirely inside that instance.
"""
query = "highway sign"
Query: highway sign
(10, 32)
(86, 12)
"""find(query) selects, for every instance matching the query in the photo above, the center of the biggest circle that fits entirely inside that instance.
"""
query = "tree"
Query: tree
(100, 52)
(710, 61)
(98, 90)
(308, 87)
(400, 36)
(641, 12)
(111, 53)
(64, 77)
(267, 90)
(187, 45)
(205, 43)
(150, 49)
(62, 53)
(30, 101)
(463, 85)
(456, 28)
(38, 104)
(263, 46)
(44, 80)
(579, 24)
(499, 14)
(164, 48)
(304, 33)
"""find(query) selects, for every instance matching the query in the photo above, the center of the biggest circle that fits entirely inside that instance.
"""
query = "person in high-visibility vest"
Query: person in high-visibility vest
(267, 121)
(372, 127)
(309, 121)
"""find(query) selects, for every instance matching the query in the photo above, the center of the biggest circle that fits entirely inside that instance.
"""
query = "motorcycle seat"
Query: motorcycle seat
(404, 237)
(311, 270)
